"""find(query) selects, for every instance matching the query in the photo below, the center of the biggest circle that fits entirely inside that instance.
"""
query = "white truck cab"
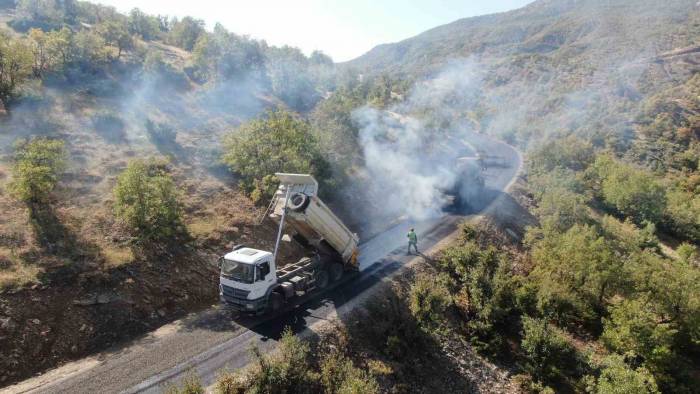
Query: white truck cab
(247, 276)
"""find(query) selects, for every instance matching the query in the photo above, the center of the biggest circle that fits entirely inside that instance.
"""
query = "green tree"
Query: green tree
(154, 62)
(576, 272)
(429, 300)
(569, 152)
(561, 209)
(634, 328)
(340, 376)
(683, 212)
(484, 291)
(15, 65)
(87, 49)
(184, 33)
(143, 25)
(277, 142)
(632, 191)
(290, 78)
(95, 13)
(31, 9)
(116, 34)
(205, 56)
(147, 199)
(46, 13)
(38, 165)
(549, 353)
(223, 56)
(44, 57)
(672, 288)
(688, 253)
(616, 377)
(288, 372)
(561, 178)
(335, 129)
(627, 239)
(380, 92)
(294, 369)
(59, 45)
(190, 384)
(320, 58)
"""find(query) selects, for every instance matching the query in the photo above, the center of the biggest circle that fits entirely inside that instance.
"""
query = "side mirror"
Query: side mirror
(220, 262)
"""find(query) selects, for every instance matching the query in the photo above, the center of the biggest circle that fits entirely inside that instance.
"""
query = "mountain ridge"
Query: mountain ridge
(538, 27)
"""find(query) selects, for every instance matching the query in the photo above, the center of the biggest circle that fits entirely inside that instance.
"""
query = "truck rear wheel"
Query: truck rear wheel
(322, 279)
(336, 271)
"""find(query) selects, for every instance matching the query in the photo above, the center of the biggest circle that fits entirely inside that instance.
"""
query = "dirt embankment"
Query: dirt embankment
(76, 312)
(82, 313)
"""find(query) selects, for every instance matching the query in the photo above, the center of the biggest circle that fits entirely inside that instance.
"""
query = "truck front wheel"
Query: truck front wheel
(322, 279)
(275, 302)
(336, 271)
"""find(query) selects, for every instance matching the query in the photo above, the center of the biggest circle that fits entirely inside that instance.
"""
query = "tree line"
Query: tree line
(60, 37)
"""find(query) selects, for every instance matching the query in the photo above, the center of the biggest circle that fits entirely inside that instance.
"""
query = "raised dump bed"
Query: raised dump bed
(311, 218)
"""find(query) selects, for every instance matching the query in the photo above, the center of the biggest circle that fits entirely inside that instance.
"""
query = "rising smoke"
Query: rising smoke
(411, 150)
(515, 93)
(90, 111)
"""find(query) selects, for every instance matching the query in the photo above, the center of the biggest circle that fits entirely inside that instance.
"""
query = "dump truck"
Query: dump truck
(253, 281)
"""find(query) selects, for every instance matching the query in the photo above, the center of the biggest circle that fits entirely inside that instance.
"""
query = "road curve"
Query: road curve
(211, 340)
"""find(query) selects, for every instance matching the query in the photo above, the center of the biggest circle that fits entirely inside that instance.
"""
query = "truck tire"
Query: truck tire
(275, 301)
(322, 279)
(298, 202)
(335, 271)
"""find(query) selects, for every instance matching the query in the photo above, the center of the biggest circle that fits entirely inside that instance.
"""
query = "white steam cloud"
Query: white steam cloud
(409, 166)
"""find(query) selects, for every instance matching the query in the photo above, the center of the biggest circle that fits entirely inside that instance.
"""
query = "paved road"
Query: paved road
(212, 340)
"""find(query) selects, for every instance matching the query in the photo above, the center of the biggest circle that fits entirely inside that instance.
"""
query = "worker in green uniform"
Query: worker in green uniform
(412, 240)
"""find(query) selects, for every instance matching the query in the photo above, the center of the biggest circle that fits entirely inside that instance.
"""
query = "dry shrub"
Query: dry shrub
(231, 383)
(190, 384)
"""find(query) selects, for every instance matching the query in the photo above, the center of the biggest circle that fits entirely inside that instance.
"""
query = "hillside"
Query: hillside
(556, 66)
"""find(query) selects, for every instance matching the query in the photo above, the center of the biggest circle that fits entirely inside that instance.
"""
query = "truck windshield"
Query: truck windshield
(237, 271)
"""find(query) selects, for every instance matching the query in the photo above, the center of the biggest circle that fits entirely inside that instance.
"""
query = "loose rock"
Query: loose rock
(7, 324)
(91, 300)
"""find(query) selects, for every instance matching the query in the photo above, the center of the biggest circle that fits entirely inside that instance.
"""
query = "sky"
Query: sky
(343, 29)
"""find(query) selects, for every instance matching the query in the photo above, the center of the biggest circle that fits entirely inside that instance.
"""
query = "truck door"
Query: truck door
(263, 273)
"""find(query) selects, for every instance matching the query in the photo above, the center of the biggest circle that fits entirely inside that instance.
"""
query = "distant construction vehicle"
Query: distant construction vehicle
(487, 161)
(468, 184)
(251, 280)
